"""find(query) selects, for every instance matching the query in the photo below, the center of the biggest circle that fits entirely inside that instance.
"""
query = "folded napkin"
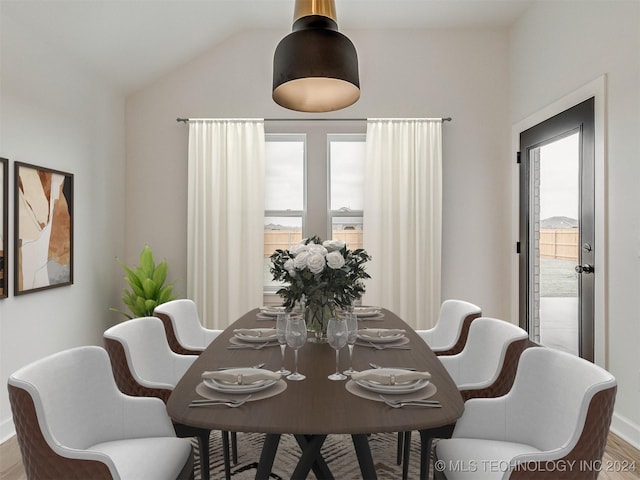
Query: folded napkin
(256, 332)
(380, 332)
(241, 376)
(365, 310)
(390, 376)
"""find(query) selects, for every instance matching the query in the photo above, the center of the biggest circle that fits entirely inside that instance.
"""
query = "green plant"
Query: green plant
(147, 286)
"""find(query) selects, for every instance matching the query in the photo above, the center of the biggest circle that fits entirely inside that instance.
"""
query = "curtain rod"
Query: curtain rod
(186, 120)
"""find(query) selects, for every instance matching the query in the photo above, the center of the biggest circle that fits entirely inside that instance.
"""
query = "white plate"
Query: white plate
(366, 311)
(376, 339)
(272, 311)
(254, 339)
(397, 388)
(235, 388)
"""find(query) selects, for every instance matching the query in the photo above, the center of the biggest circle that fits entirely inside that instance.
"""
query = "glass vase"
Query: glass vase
(317, 315)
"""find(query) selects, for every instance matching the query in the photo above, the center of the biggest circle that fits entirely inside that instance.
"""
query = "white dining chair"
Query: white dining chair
(184, 331)
(449, 334)
(72, 422)
(486, 367)
(480, 363)
(144, 365)
(553, 423)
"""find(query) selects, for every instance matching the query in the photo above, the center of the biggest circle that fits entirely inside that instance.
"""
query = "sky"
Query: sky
(559, 178)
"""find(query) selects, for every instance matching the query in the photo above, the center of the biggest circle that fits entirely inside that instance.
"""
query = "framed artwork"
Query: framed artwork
(43, 227)
(4, 222)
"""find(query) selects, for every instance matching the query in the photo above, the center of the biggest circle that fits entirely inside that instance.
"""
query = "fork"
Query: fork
(409, 369)
(228, 403)
(415, 403)
(255, 347)
(384, 347)
(412, 404)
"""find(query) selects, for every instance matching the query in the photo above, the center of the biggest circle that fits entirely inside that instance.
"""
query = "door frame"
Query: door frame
(596, 89)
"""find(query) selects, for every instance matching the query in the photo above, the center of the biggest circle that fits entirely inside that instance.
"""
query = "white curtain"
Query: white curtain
(403, 217)
(225, 218)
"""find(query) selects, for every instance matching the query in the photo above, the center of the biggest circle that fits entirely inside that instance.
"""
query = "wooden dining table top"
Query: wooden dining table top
(316, 405)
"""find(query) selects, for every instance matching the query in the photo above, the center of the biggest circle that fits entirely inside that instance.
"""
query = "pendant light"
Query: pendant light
(315, 67)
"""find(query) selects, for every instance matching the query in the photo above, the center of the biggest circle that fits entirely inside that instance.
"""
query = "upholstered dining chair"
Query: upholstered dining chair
(486, 367)
(144, 365)
(185, 333)
(553, 423)
(449, 335)
(73, 422)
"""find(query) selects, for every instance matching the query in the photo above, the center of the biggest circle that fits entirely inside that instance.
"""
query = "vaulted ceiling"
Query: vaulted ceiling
(132, 42)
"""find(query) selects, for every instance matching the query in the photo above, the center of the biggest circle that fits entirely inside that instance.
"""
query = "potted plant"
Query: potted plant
(147, 282)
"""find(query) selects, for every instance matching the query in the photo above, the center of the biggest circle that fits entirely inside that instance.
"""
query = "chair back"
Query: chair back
(483, 357)
(551, 397)
(449, 334)
(184, 331)
(149, 360)
(68, 389)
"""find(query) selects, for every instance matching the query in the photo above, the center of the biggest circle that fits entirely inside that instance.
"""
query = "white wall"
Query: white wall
(55, 114)
(457, 73)
(547, 63)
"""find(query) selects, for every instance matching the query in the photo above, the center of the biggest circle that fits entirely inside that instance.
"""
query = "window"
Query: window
(314, 185)
(346, 173)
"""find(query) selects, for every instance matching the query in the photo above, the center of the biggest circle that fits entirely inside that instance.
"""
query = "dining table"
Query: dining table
(316, 407)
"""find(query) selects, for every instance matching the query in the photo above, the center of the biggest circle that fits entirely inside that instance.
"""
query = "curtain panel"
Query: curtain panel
(225, 218)
(403, 217)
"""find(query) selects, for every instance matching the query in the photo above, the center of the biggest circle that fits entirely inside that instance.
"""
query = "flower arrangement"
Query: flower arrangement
(324, 275)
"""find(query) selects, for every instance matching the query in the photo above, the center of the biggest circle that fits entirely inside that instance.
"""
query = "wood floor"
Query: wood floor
(621, 461)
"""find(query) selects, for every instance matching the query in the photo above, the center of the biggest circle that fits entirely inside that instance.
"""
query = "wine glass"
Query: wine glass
(281, 327)
(337, 338)
(352, 335)
(296, 336)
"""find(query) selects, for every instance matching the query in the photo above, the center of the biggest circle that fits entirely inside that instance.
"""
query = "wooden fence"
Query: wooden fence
(283, 239)
(559, 243)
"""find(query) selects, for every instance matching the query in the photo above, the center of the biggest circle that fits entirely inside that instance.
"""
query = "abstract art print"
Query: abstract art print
(43, 228)
(4, 222)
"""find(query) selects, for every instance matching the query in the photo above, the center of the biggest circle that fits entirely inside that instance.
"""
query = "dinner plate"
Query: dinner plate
(366, 311)
(255, 339)
(376, 339)
(235, 388)
(272, 311)
(393, 389)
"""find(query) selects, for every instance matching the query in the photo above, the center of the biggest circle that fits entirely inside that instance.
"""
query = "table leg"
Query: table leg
(406, 453)
(225, 455)
(268, 455)
(311, 458)
(367, 467)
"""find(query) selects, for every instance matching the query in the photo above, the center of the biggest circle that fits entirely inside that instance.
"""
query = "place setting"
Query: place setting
(382, 338)
(254, 338)
(368, 312)
(270, 312)
(397, 387)
(232, 387)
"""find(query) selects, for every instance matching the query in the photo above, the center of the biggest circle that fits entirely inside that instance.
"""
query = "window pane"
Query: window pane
(346, 157)
(284, 173)
(279, 232)
(349, 230)
(347, 173)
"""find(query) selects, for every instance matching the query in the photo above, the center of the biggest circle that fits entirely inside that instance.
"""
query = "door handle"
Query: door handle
(586, 268)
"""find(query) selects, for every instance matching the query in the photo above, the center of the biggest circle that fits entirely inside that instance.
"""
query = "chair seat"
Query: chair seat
(153, 458)
(466, 458)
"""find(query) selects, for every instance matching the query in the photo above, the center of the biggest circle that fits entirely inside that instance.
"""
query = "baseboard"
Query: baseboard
(626, 430)
(7, 430)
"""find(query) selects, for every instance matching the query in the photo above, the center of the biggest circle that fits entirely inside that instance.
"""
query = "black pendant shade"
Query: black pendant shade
(315, 67)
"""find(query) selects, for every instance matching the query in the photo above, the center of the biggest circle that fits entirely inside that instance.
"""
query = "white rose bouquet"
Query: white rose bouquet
(325, 275)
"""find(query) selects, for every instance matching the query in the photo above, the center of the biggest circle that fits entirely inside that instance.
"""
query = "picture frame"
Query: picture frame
(43, 228)
(4, 226)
